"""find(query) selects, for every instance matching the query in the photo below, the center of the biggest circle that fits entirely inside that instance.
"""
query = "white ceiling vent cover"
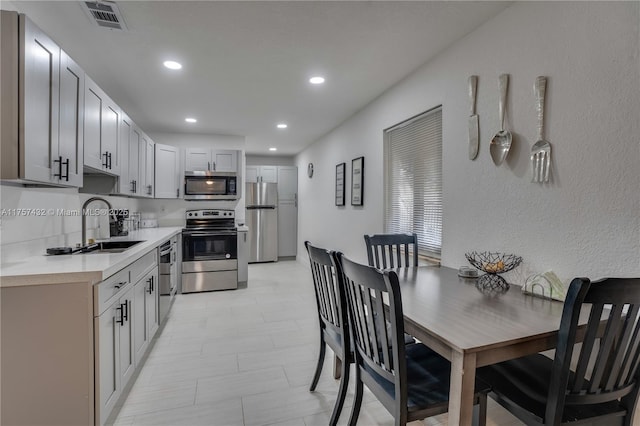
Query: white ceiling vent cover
(105, 14)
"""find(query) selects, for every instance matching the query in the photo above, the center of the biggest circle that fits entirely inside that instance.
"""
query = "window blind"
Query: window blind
(413, 180)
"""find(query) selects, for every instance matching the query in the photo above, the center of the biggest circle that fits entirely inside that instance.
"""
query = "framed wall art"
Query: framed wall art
(357, 181)
(340, 175)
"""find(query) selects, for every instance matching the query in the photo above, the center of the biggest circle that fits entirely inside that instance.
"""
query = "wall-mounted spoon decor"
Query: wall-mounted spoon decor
(501, 142)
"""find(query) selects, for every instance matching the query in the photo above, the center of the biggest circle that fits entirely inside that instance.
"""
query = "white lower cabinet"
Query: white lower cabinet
(128, 319)
(114, 352)
(146, 313)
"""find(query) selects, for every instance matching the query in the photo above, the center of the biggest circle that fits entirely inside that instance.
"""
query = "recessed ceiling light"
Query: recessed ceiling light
(273, 149)
(282, 126)
(316, 80)
(172, 65)
(190, 120)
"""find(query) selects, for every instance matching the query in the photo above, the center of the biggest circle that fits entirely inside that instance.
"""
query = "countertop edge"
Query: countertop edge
(20, 274)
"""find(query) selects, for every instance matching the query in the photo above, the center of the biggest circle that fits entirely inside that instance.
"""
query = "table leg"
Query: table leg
(463, 379)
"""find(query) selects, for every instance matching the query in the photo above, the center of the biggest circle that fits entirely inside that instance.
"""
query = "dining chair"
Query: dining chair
(603, 387)
(411, 381)
(392, 250)
(332, 316)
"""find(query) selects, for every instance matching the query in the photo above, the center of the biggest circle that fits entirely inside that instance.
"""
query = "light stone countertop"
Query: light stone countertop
(42, 269)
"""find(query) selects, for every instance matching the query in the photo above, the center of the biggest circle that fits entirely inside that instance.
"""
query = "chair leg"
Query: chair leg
(316, 375)
(357, 402)
(337, 367)
(480, 411)
(342, 392)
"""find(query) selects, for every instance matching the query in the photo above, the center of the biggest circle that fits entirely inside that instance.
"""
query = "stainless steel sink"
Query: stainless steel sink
(110, 247)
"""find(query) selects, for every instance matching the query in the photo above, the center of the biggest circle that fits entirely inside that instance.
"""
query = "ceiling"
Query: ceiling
(246, 65)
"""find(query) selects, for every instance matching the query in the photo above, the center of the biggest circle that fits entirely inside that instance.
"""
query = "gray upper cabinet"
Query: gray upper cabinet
(41, 107)
(101, 120)
(134, 162)
(167, 176)
(147, 166)
(225, 160)
(266, 174)
(214, 160)
(126, 128)
(71, 135)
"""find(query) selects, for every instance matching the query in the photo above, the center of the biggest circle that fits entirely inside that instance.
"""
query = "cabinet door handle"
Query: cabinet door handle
(59, 174)
(125, 308)
(214, 166)
(150, 281)
(119, 316)
(135, 186)
(106, 160)
(66, 175)
(177, 192)
(109, 160)
(209, 165)
(295, 198)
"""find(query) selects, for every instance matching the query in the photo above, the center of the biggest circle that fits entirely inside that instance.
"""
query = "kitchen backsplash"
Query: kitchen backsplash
(33, 219)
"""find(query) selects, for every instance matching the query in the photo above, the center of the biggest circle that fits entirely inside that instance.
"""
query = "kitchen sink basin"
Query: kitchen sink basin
(110, 247)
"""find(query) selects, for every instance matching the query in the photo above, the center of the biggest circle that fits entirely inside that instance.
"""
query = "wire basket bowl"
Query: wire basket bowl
(493, 262)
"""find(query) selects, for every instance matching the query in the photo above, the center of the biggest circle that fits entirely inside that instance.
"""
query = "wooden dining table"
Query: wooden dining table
(473, 326)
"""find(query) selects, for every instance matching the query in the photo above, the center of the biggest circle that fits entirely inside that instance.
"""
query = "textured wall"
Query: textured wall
(586, 221)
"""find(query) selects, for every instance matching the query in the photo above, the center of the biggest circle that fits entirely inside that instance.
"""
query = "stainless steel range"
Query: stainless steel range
(209, 251)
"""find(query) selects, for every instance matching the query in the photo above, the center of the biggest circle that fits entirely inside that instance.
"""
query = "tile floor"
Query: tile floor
(246, 357)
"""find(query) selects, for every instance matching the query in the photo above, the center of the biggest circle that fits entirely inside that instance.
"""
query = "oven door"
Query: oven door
(200, 245)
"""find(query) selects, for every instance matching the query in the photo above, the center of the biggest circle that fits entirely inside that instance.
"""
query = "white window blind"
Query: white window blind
(413, 180)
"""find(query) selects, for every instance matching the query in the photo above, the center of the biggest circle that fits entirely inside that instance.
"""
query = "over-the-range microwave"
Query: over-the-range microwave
(206, 185)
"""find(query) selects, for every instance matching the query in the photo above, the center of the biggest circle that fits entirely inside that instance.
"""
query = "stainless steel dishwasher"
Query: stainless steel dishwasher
(168, 276)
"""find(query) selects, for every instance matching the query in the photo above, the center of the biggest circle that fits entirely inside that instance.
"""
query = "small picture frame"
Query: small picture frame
(357, 181)
(340, 176)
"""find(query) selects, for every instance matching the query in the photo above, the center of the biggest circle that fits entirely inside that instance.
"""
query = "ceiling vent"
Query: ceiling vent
(105, 14)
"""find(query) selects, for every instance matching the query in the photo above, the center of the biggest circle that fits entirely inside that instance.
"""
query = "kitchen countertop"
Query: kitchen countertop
(91, 267)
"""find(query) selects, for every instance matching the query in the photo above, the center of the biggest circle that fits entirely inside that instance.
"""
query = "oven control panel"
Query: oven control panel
(210, 214)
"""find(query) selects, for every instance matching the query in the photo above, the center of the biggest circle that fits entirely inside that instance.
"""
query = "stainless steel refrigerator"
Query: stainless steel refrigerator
(261, 200)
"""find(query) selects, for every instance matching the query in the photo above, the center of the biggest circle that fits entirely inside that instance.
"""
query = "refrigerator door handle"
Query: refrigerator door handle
(261, 207)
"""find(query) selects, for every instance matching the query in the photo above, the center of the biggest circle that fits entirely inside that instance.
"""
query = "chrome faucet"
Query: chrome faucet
(84, 216)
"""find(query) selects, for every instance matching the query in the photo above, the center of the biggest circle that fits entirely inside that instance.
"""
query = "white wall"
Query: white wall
(584, 223)
(172, 212)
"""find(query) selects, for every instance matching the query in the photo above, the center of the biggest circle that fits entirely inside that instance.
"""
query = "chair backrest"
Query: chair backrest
(330, 293)
(392, 250)
(607, 366)
(378, 348)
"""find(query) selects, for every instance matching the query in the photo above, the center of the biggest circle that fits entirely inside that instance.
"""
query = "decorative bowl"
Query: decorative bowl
(493, 262)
